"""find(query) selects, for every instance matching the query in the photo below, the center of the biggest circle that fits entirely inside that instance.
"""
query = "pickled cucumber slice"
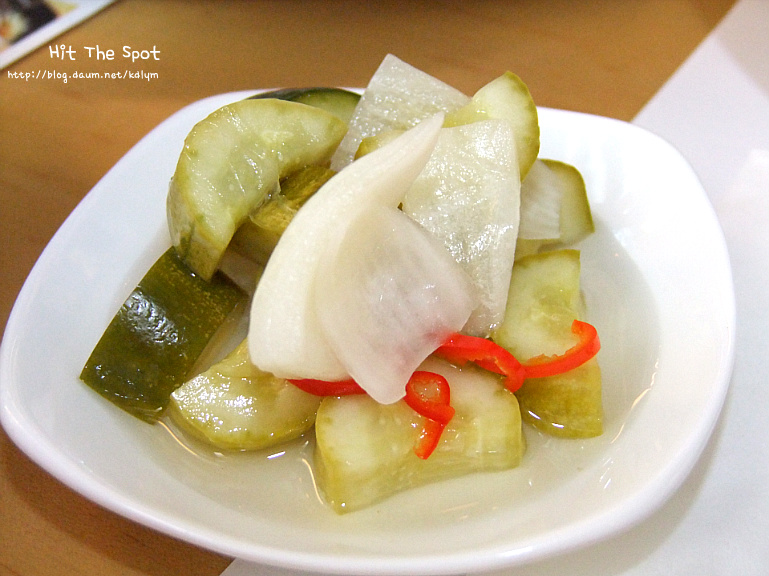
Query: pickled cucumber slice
(575, 219)
(568, 405)
(257, 236)
(235, 406)
(341, 103)
(544, 300)
(154, 340)
(506, 97)
(232, 162)
(365, 450)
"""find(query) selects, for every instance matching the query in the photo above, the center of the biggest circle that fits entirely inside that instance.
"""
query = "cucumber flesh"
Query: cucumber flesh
(257, 236)
(506, 97)
(232, 161)
(545, 299)
(235, 406)
(365, 450)
(371, 143)
(568, 405)
(338, 101)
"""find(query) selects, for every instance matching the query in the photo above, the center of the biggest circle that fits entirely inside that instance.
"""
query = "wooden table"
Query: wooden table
(58, 139)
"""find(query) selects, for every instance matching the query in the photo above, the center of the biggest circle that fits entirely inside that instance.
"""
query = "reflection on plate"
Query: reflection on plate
(658, 288)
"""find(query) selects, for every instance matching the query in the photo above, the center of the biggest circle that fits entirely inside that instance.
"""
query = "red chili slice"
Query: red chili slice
(429, 438)
(586, 348)
(429, 395)
(460, 349)
(327, 388)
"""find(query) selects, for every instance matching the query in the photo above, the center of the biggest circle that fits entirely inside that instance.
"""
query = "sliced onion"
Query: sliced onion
(285, 337)
(388, 298)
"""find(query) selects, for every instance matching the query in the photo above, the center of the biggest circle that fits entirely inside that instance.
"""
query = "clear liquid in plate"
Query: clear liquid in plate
(279, 483)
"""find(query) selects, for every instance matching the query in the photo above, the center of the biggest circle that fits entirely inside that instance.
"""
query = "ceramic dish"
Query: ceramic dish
(658, 287)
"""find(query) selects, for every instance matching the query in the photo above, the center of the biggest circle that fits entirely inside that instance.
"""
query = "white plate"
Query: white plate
(658, 287)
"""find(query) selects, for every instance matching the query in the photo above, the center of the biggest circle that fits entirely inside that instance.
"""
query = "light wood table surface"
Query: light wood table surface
(58, 139)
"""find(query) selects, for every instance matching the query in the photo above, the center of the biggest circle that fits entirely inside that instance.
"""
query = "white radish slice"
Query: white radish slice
(541, 194)
(468, 196)
(388, 298)
(285, 336)
(398, 97)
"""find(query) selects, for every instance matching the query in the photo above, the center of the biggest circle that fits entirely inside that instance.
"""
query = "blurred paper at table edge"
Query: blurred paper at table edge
(26, 25)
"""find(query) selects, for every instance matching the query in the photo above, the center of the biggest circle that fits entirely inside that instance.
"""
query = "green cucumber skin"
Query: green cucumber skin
(338, 101)
(155, 338)
(576, 215)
